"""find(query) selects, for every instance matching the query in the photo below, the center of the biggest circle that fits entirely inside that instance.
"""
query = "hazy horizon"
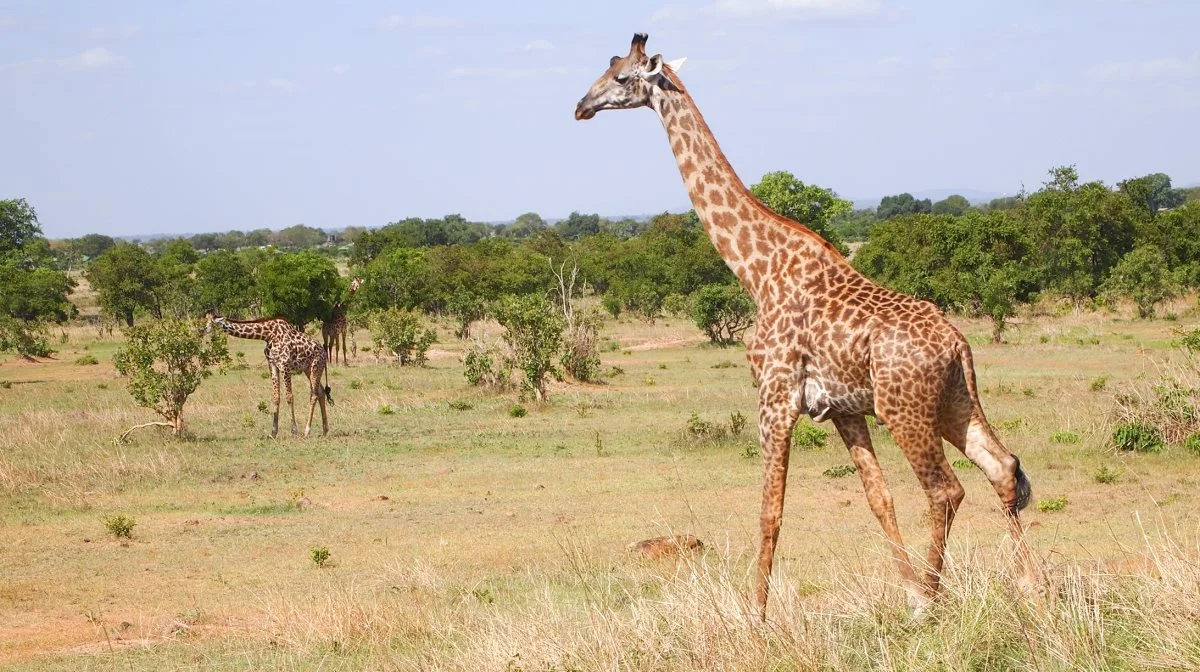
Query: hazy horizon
(139, 118)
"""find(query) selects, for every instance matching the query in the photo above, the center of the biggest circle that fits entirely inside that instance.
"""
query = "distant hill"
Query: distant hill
(935, 195)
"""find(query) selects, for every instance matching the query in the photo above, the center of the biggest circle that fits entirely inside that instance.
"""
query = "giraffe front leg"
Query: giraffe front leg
(287, 382)
(777, 413)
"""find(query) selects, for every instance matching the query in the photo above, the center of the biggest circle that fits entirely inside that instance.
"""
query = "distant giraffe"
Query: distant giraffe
(829, 342)
(288, 351)
(334, 329)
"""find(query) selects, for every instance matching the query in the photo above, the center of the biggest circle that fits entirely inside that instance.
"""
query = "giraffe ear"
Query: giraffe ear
(654, 66)
(676, 64)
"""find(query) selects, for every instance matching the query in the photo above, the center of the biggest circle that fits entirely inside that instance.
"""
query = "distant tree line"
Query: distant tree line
(1084, 242)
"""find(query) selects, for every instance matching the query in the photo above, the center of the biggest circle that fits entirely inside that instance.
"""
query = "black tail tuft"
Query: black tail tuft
(1024, 487)
(328, 395)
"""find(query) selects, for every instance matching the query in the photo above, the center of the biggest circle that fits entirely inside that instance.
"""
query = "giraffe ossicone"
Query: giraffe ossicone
(829, 343)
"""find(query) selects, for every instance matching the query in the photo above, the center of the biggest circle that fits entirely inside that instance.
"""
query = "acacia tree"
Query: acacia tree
(301, 287)
(126, 279)
(165, 361)
(1143, 276)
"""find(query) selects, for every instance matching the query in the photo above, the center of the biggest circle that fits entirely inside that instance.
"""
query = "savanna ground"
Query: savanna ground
(461, 537)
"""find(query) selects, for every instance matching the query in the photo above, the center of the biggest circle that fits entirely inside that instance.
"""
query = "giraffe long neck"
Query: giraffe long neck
(262, 330)
(744, 231)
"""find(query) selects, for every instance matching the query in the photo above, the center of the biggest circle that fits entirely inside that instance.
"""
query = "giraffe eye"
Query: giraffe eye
(621, 78)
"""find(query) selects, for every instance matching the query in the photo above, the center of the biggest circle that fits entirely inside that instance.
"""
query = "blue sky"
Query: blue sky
(173, 117)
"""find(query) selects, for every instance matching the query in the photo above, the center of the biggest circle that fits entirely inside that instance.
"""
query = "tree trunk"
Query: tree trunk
(997, 330)
(129, 318)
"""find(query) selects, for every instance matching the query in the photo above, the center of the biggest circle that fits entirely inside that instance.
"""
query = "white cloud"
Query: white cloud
(97, 59)
(772, 9)
(281, 84)
(401, 22)
(508, 73)
(339, 69)
(1170, 67)
(112, 32)
(539, 45)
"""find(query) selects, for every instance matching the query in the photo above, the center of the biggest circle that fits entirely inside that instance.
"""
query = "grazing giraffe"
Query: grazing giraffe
(334, 329)
(288, 351)
(829, 342)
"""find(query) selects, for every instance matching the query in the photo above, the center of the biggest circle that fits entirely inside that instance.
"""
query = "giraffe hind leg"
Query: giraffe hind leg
(287, 379)
(854, 433)
(275, 402)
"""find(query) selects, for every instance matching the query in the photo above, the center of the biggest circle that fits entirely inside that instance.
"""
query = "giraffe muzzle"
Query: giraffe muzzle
(584, 111)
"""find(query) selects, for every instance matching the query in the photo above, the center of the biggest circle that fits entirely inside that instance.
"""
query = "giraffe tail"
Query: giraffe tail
(1024, 489)
(325, 390)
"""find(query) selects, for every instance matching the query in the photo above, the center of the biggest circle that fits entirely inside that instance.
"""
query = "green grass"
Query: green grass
(462, 538)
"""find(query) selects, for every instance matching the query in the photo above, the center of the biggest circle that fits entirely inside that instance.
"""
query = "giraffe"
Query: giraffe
(830, 343)
(336, 326)
(287, 350)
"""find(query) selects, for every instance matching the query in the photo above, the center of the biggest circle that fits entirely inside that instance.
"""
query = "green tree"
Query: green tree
(298, 237)
(724, 312)
(577, 225)
(1151, 193)
(398, 278)
(808, 204)
(1143, 276)
(165, 362)
(533, 330)
(225, 283)
(299, 286)
(902, 204)
(178, 297)
(92, 245)
(527, 225)
(466, 308)
(32, 292)
(954, 204)
(1177, 235)
(126, 279)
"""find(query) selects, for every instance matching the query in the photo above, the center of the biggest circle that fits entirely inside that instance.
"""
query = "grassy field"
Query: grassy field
(460, 537)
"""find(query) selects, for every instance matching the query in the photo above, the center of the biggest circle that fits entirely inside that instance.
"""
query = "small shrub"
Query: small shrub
(101, 386)
(1106, 475)
(319, 555)
(703, 429)
(484, 595)
(663, 366)
(724, 312)
(486, 366)
(1013, 425)
(808, 436)
(461, 405)
(839, 471)
(724, 364)
(119, 526)
(263, 407)
(386, 409)
(737, 422)
(265, 375)
(1052, 504)
(1099, 383)
(356, 384)
(518, 411)
(1137, 437)
(87, 360)
(5, 385)
(1028, 392)
(1044, 338)
(614, 371)
(750, 451)
(403, 334)
(1064, 437)
(1192, 443)
(649, 380)
(963, 464)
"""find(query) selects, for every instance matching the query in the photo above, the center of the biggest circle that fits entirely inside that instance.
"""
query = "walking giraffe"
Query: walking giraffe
(287, 350)
(829, 342)
(335, 328)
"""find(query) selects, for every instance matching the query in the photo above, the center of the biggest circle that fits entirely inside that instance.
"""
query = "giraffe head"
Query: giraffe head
(629, 82)
(212, 316)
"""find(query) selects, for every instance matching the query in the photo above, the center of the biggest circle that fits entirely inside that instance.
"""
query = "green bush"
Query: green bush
(386, 409)
(486, 366)
(1052, 504)
(533, 331)
(1099, 383)
(319, 555)
(808, 436)
(840, 471)
(119, 526)
(1137, 437)
(724, 312)
(1106, 475)
(87, 360)
(403, 334)
(1064, 437)
(518, 411)
(1192, 443)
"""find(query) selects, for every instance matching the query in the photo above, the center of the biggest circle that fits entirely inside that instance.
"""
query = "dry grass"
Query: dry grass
(468, 539)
